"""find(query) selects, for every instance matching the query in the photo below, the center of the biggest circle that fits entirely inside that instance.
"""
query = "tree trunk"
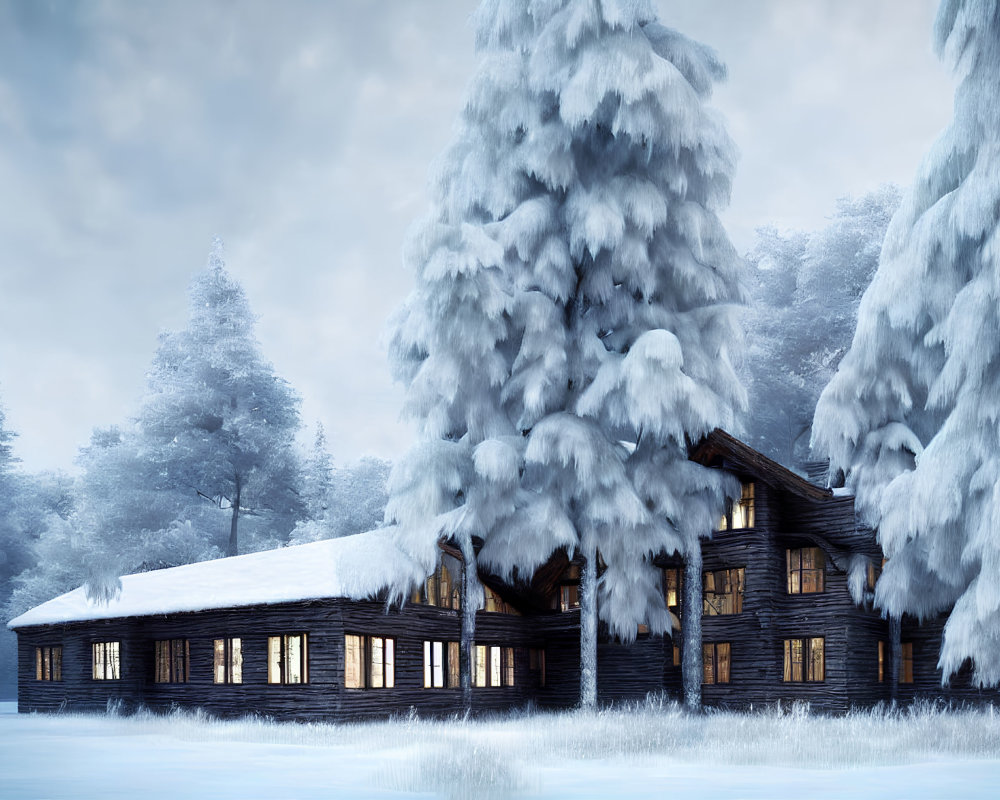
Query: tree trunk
(471, 595)
(895, 656)
(588, 628)
(233, 548)
(692, 669)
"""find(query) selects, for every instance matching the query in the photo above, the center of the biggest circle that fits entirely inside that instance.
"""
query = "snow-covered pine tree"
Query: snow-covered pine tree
(317, 478)
(216, 420)
(910, 419)
(574, 311)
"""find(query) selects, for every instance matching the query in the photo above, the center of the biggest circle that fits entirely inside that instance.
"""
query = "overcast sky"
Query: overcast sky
(302, 133)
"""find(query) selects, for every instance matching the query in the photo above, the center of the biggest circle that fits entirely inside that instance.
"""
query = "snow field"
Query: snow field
(652, 750)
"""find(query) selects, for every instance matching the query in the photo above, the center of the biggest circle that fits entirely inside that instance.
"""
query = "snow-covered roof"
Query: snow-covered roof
(354, 567)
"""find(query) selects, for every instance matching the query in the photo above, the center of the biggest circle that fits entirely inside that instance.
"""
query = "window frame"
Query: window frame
(806, 663)
(230, 663)
(673, 584)
(742, 511)
(735, 579)
(441, 664)
(171, 660)
(278, 672)
(110, 663)
(441, 588)
(492, 666)
(493, 603)
(374, 657)
(569, 597)
(717, 663)
(48, 663)
(795, 572)
(906, 663)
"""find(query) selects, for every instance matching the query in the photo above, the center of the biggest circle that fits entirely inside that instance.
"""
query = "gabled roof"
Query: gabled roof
(720, 449)
(355, 567)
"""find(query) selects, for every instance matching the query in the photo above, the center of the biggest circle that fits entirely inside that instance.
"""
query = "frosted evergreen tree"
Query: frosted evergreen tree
(216, 420)
(805, 289)
(910, 417)
(317, 477)
(574, 312)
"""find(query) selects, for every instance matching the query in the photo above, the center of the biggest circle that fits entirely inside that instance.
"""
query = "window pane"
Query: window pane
(114, 660)
(428, 666)
(390, 663)
(479, 665)
(97, 651)
(219, 661)
(57, 663)
(438, 660)
(739, 516)
(881, 662)
(274, 659)
(906, 663)
(375, 669)
(454, 665)
(295, 658)
(508, 666)
(494, 666)
(236, 660)
(708, 663)
(444, 586)
(38, 663)
(817, 666)
(352, 662)
(722, 662)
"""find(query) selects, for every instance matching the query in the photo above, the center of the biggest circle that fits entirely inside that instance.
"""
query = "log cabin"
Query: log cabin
(351, 628)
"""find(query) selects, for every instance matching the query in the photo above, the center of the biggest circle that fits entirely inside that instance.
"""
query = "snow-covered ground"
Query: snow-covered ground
(648, 752)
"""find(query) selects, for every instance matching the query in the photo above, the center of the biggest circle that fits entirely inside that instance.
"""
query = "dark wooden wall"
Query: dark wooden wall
(323, 697)
(625, 672)
(771, 615)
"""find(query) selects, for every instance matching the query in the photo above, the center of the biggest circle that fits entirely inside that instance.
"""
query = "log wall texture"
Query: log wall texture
(770, 615)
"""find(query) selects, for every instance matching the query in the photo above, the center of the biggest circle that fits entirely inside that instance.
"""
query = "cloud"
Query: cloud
(302, 132)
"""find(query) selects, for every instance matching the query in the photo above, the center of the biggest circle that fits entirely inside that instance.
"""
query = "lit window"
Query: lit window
(673, 584)
(740, 514)
(48, 663)
(881, 662)
(369, 662)
(288, 658)
(442, 665)
(906, 662)
(172, 660)
(569, 597)
(227, 666)
(442, 587)
(106, 661)
(492, 665)
(804, 660)
(496, 604)
(354, 661)
(806, 570)
(871, 576)
(716, 658)
(677, 656)
(723, 592)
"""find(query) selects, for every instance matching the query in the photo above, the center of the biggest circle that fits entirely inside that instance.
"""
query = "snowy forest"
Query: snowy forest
(579, 316)
(214, 462)
(158, 489)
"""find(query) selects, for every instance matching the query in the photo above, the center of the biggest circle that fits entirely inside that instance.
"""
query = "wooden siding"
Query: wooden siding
(785, 517)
